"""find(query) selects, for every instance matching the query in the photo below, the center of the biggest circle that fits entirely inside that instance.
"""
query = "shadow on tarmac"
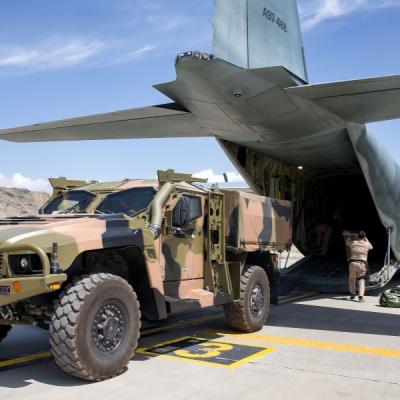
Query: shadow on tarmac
(46, 372)
(319, 317)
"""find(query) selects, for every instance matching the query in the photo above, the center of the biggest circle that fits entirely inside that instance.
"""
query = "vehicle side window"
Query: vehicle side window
(128, 202)
(186, 211)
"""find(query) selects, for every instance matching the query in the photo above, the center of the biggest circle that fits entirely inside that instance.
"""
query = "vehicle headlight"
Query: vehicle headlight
(25, 264)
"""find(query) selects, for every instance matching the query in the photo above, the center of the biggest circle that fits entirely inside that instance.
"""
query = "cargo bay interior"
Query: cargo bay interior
(324, 204)
(326, 201)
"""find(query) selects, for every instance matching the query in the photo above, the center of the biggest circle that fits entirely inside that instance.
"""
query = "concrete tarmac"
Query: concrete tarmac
(318, 347)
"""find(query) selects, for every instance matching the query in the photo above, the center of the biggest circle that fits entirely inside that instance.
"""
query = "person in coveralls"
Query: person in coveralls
(358, 263)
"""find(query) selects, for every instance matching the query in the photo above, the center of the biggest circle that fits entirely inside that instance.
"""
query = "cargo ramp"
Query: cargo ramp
(326, 274)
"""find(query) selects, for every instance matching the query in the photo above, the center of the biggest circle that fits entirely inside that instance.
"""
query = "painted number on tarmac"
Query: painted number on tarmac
(207, 351)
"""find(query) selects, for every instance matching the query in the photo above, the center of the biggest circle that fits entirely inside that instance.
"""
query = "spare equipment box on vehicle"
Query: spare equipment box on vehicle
(256, 222)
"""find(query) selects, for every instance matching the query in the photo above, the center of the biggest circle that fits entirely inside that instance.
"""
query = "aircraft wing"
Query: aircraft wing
(362, 101)
(169, 120)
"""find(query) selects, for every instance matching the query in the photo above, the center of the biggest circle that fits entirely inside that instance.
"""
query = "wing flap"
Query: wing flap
(168, 120)
(361, 101)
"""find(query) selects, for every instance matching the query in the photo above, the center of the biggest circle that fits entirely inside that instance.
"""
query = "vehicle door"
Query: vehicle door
(182, 244)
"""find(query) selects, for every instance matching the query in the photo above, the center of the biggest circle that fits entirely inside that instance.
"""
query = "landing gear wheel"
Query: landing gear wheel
(251, 311)
(95, 327)
(4, 329)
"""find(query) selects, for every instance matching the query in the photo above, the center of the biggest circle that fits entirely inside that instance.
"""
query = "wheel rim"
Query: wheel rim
(256, 300)
(108, 327)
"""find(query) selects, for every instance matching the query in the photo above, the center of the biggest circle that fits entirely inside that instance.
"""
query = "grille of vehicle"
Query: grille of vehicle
(3, 269)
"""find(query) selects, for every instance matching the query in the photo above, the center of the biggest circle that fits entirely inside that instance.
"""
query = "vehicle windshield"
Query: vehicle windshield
(73, 201)
(128, 202)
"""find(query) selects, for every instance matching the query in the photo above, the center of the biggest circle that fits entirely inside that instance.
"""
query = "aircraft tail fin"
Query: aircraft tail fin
(260, 33)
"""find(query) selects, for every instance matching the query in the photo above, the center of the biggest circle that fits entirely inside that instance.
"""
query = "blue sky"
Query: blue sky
(80, 57)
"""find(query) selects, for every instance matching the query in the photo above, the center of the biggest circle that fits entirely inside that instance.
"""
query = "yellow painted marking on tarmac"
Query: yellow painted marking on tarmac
(211, 350)
(299, 297)
(348, 348)
(25, 359)
(213, 347)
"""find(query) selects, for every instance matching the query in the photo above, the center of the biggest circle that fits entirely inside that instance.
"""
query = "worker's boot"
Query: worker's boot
(361, 299)
(352, 296)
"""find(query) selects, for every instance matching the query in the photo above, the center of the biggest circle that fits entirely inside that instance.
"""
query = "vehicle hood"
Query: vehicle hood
(74, 234)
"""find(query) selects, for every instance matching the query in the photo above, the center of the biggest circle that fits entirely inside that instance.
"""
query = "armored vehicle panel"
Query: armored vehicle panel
(257, 223)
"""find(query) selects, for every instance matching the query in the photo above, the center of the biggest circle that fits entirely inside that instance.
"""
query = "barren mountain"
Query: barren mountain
(17, 202)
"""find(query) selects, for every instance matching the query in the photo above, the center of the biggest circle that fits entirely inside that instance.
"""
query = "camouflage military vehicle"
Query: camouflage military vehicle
(100, 257)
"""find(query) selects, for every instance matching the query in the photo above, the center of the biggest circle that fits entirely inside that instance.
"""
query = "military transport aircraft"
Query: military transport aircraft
(289, 139)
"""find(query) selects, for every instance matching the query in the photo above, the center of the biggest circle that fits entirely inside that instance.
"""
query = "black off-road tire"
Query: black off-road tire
(95, 305)
(239, 315)
(4, 329)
